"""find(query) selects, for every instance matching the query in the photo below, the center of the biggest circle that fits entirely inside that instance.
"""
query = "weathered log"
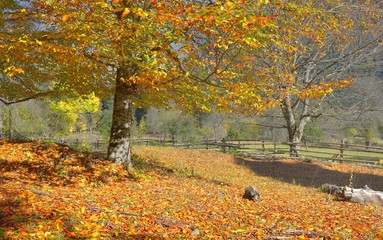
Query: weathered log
(363, 195)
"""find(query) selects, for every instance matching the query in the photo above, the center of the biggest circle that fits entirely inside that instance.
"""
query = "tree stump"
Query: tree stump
(363, 195)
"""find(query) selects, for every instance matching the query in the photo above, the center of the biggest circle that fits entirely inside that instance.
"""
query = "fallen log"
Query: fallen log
(363, 195)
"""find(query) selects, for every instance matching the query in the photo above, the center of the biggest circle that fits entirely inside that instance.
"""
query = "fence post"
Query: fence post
(263, 146)
(341, 153)
(368, 144)
(275, 147)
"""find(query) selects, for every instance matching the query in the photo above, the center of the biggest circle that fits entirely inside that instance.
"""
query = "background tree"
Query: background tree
(139, 130)
(75, 112)
(104, 122)
(317, 45)
(245, 129)
(174, 124)
(214, 126)
(312, 132)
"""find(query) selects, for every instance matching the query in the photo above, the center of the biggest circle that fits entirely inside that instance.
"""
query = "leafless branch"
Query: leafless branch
(37, 95)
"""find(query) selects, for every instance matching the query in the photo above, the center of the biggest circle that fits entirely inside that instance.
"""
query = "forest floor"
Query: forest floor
(48, 191)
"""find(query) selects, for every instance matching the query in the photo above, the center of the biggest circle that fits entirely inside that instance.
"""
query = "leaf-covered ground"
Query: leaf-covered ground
(48, 191)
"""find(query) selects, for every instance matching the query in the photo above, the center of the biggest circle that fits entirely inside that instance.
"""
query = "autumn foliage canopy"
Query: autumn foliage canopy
(243, 56)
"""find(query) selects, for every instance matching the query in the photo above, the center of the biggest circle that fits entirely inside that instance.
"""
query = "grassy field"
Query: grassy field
(315, 152)
(52, 192)
(282, 150)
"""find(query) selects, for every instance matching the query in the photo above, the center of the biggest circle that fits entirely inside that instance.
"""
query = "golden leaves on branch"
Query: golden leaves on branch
(322, 89)
(13, 71)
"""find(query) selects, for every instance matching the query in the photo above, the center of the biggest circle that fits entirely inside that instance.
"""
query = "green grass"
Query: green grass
(282, 150)
(314, 152)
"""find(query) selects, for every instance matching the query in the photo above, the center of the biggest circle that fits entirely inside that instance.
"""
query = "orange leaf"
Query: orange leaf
(66, 18)
(125, 12)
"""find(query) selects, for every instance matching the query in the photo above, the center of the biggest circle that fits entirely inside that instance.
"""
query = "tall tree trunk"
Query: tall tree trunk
(10, 119)
(89, 121)
(295, 127)
(119, 143)
(1, 120)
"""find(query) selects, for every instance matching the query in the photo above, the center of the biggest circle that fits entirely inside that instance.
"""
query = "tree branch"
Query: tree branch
(95, 59)
(350, 54)
(37, 95)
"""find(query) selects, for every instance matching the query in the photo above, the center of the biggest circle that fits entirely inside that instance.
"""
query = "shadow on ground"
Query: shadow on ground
(309, 174)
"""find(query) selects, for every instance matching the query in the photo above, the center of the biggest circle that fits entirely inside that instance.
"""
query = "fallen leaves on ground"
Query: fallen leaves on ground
(48, 191)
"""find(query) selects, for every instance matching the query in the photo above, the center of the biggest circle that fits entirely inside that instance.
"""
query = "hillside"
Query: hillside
(50, 191)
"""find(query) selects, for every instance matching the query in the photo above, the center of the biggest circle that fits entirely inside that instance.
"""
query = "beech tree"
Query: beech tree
(202, 55)
(316, 46)
(1, 120)
(147, 51)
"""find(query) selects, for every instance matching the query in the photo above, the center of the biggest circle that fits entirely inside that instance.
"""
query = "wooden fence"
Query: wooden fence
(341, 151)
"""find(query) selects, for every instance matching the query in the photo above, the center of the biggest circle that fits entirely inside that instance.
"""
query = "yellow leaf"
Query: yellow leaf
(302, 236)
(125, 12)
(82, 209)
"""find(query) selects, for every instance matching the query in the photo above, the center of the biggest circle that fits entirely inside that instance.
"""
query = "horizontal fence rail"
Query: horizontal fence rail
(342, 152)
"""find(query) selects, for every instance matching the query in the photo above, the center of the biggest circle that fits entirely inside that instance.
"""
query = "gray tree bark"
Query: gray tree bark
(10, 119)
(119, 143)
(363, 195)
(1, 120)
(295, 126)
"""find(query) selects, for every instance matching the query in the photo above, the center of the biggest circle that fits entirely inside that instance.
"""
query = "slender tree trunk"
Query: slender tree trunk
(1, 120)
(289, 117)
(10, 118)
(89, 121)
(295, 127)
(119, 143)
